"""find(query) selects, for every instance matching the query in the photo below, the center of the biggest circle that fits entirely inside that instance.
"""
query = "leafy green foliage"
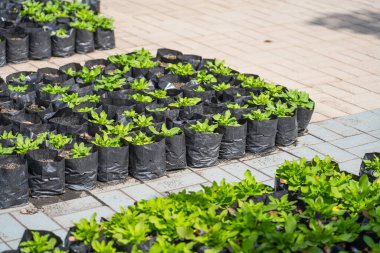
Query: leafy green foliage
(58, 141)
(235, 106)
(100, 119)
(281, 109)
(86, 109)
(71, 72)
(204, 127)
(55, 89)
(141, 98)
(181, 69)
(109, 83)
(7, 135)
(6, 150)
(226, 119)
(140, 139)
(106, 141)
(103, 23)
(21, 78)
(103, 247)
(160, 94)
(204, 78)
(60, 33)
(199, 89)
(130, 114)
(165, 131)
(87, 231)
(298, 98)
(221, 86)
(262, 99)
(373, 165)
(89, 75)
(185, 102)
(24, 144)
(40, 243)
(218, 67)
(140, 84)
(252, 82)
(80, 150)
(120, 130)
(143, 121)
(158, 109)
(74, 99)
(258, 115)
(18, 88)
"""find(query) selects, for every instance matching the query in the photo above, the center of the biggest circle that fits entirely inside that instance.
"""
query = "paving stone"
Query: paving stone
(61, 233)
(14, 244)
(365, 121)
(269, 183)
(37, 221)
(141, 191)
(339, 127)
(66, 221)
(366, 148)
(375, 133)
(323, 133)
(270, 160)
(193, 188)
(169, 184)
(4, 247)
(71, 206)
(377, 111)
(270, 171)
(238, 170)
(353, 141)
(217, 174)
(115, 199)
(306, 152)
(352, 166)
(336, 153)
(10, 228)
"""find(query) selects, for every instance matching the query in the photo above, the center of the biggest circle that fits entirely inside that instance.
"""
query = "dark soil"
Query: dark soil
(178, 85)
(36, 108)
(10, 166)
(65, 154)
(170, 56)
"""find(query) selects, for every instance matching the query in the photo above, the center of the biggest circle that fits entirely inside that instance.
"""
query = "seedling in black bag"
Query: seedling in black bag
(103, 22)
(21, 78)
(87, 231)
(42, 17)
(55, 89)
(121, 71)
(204, 127)
(373, 165)
(18, 88)
(120, 130)
(52, 7)
(6, 150)
(221, 86)
(262, 99)
(258, 115)
(103, 247)
(23, 145)
(165, 131)
(75, 100)
(141, 98)
(58, 140)
(181, 69)
(273, 90)
(86, 109)
(218, 67)
(253, 83)
(143, 63)
(160, 94)
(40, 243)
(60, 33)
(226, 119)
(143, 121)
(7, 135)
(236, 106)
(89, 75)
(109, 83)
(130, 113)
(100, 118)
(106, 141)
(140, 139)
(199, 89)
(80, 150)
(185, 102)
(281, 110)
(298, 98)
(204, 78)
(30, 7)
(158, 109)
(83, 25)
(140, 84)
(71, 72)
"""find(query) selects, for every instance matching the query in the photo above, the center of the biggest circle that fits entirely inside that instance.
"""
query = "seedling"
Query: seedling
(158, 109)
(226, 119)
(86, 109)
(89, 75)
(120, 130)
(185, 102)
(221, 86)
(204, 127)
(109, 83)
(130, 114)
(58, 141)
(39, 243)
(181, 69)
(298, 98)
(71, 72)
(140, 84)
(18, 88)
(100, 119)
(262, 99)
(55, 89)
(23, 145)
(21, 78)
(103, 23)
(204, 78)
(60, 33)
(281, 109)
(253, 83)
(160, 94)
(258, 115)
(44, 17)
(140, 139)
(143, 121)
(106, 141)
(199, 89)
(273, 90)
(6, 150)
(74, 100)
(80, 150)
(87, 231)
(236, 106)
(141, 98)
(103, 247)
(373, 165)
(7, 135)
(165, 131)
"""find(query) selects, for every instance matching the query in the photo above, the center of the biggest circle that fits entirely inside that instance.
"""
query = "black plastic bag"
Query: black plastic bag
(261, 135)
(22, 98)
(17, 47)
(147, 162)
(175, 152)
(22, 119)
(39, 43)
(3, 52)
(239, 113)
(81, 173)
(368, 172)
(168, 55)
(69, 124)
(303, 119)
(187, 112)
(14, 188)
(28, 236)
(84, 41)
(75, 246)
(207, 96)
(194, 60)
(233, 141)
(104, 39)
(94, 5)
(46, 173)
(202, 149)
(287, 131)
(113, 163)
(33, 130)
(64, 47)
(51, 76)
(43, 109)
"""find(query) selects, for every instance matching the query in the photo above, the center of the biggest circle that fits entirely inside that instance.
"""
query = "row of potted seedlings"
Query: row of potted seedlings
(314, 207)
(52, 28)
(112, 118)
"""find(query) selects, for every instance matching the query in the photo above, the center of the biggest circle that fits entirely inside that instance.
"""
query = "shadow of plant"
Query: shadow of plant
(362, 22)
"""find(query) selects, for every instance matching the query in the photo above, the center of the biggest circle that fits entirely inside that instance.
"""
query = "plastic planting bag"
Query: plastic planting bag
(370, 171)
(287, 131)
(3, 52)
(303, 119)
(175, 152)
(39, 43)
(113, 163)
(17, 47)
(187, 112)
(261, 135)
(46, 173)
(233, 141)
(14, 188)
(104, 39)
(84, 41)
(80, 173)
(64, 47)
(202, 148)
(148, 161)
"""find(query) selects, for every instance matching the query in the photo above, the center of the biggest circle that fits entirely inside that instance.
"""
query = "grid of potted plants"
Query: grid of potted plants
(136, 115)
(40, 29)
(314, 207)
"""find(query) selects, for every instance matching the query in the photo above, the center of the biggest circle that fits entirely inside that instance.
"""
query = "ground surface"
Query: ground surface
(330, 48)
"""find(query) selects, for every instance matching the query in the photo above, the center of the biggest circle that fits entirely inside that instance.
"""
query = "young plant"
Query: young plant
(262, 99)
(44, 17)
(273, 89)
(80, 150)
(236, 106)
(373, 165)
(298, 98)
(103, 23)
(143, 63)
(89, 75)
(71, 72)
(218, 67)
(258, 115)
(204, 127)
(100, 119)
(7, 135)
(281, 109)
(160, 94)
(120, 130)
(226, 119)
(204, 78)
(87, 231)
(252, 83)
(140, 139)
(106, 141)
(143, 121)
(141, 98)
(60, 33)
(221, 86)
(158, 109)
(6, 150)
(165, 131)
(86, 109)
(140, 84)
(103, 247)
(55, 89)
(83, 25)
(39, 243)
(185, 102)
(21, 78)
(109, 83)
(23, 145)
(181, 69)
(18, 88)
(199, 89)
(130, 114)
(58, 141)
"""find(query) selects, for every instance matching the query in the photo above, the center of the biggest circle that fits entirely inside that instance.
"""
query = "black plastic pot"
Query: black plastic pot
(33, 130)
(287, 131)
(194, 60)
(261, 135)
(81, 173)
(39, 43)
(94, 5)
(17, 47)
(104, 39)
(3, 52)
(168, 55)
(187, 112)
(175, 152)
(21, 119)
(51, 76)
(113, 163)
(46, 173)
(64, 47)
(202, 149)
(303, 119)
(369, 172)
(69, 124)
(84, 41)
(147, 162)
(233, 141)
(14, 190)
(22, 98)
(43, 114)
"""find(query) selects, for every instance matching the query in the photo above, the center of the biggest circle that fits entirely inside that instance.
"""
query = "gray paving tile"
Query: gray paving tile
(365, 121)
(338, 127)
(375, 133)
(37, 221)
(10, 228)
(306, 152)
(270, 171)
(61, 233)
(377, 111)
(193, 188)
(217, 174)
(269, 182)
(352, 166)
(353, 141)
(140, 191)
(115, 199)
(13, 244)
(4, 247)
(71, 206)
(168, 184)
(238, 170)
(267, 161)
(323, 133)
(336, 153)
(66, 221)
(366, 148)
